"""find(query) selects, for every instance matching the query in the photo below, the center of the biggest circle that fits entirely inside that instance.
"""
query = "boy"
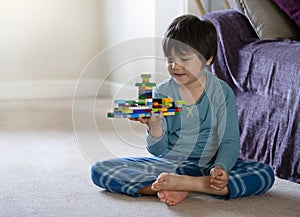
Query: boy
(198, 150)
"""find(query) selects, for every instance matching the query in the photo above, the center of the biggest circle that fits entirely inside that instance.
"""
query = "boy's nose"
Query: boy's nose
(175, 65)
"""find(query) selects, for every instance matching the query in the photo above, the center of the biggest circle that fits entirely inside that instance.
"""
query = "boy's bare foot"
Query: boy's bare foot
(167, 185)
(167, 181)
(172, 198)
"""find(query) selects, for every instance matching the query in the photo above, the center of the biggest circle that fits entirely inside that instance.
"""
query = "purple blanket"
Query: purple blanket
(265, 76)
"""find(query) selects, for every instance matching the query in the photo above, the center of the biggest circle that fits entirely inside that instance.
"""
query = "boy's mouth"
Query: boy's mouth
(179, 74)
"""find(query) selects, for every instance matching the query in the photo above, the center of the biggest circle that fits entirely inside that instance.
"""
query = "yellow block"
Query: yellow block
(127, 111)
(167, 100)
(168, 113)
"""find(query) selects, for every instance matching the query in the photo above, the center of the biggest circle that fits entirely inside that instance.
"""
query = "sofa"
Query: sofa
(264, 74)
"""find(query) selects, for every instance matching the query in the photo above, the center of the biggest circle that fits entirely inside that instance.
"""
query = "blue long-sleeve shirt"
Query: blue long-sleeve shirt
(207, 130)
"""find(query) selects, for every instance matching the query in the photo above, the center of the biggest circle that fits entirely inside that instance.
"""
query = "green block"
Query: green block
(145, 84)
(110, 115)
(150, 84)
(130, 102)
(179, 102)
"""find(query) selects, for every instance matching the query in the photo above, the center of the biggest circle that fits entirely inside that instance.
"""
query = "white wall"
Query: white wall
(124, 21)
(48, 39)
(128, 20)
(45, 44)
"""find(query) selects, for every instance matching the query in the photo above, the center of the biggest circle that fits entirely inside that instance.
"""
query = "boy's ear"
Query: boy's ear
(208, 62)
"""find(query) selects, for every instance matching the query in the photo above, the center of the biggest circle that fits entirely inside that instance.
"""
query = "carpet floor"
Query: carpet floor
(45, 159)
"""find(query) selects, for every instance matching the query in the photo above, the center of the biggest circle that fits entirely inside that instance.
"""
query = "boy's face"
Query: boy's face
(185, 68)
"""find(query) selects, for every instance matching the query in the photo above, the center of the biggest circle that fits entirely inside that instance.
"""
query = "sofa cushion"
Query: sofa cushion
(291, 8)
(264, 75)
(269, 21)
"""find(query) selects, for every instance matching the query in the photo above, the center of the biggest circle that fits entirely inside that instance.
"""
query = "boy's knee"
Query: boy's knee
(271, 175)
(268, 176)
(96, 172)
(259, 180)
(102, 169)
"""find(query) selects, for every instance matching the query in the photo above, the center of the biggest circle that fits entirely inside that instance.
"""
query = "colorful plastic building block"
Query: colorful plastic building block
(145, 103)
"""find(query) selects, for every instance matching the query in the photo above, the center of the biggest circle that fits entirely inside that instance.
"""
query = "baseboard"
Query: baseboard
(55, 89)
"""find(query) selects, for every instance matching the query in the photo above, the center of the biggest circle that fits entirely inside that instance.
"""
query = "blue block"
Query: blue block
(120, 101)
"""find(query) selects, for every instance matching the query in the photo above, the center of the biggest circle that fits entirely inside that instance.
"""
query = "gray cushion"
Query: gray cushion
(268, 20)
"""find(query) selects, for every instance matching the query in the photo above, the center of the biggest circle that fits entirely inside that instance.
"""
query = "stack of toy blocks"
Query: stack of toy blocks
(145, 103)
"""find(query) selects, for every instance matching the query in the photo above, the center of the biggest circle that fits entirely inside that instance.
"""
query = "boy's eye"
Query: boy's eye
(185, 59)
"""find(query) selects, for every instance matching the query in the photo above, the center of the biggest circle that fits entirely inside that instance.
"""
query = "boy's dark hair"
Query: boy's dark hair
(188, 32)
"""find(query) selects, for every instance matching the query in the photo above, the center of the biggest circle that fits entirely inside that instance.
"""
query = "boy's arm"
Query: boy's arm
(228, 132)
(154, 124)
(157, 138)
(156, 135)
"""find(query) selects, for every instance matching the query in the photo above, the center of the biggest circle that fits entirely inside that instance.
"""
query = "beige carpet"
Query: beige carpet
(45, 172)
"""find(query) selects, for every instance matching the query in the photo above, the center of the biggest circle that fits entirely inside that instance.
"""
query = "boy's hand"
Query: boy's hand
(218, 178)
(154, 123)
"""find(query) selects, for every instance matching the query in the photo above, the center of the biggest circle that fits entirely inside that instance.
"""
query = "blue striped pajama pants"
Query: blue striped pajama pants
(128, 175)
